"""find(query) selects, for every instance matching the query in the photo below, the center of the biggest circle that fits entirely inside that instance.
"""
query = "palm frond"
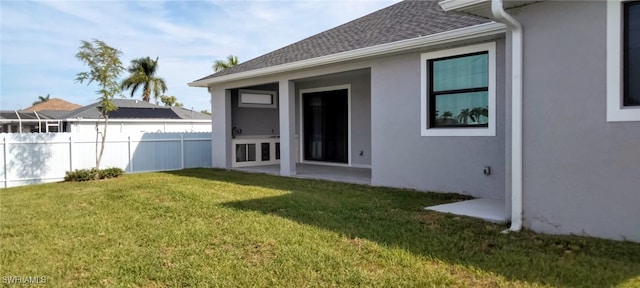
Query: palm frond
(142, 74)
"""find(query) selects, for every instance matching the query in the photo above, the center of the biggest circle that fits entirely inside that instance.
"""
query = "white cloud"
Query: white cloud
(38, 40)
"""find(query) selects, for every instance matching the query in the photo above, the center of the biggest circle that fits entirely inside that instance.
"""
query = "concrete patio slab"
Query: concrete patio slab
(311, 171)
(492, 210)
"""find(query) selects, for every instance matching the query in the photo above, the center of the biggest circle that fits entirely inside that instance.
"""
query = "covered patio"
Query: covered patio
(310, 171)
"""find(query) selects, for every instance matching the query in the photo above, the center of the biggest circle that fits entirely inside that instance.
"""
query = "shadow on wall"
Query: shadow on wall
(396, 219)
(169, 151)
(32, 161)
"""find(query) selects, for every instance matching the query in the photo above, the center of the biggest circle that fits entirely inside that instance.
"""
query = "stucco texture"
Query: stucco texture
(581, 173)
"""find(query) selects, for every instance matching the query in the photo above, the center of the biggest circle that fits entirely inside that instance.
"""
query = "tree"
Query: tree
(446, 115)
(464, 116)
(142, 73)
(477, 112)
(170, 101)
(105, 67)
(220, 65)
(205, 112)
(42, 99)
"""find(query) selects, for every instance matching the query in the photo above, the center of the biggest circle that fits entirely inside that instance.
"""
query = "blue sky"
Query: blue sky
(39, 39)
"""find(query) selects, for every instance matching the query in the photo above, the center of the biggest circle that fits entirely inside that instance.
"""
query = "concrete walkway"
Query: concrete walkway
(491, 210)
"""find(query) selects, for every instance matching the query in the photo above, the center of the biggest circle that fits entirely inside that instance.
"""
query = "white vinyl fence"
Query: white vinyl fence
(45, 157)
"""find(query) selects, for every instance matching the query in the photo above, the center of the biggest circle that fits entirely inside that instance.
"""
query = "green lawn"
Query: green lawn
(203, 227)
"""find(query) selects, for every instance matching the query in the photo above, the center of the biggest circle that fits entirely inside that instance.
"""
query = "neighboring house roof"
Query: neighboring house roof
(402, 21)
(11, 115)
(56, 104)
(53, 114)
(190, 114)
(30, 115)
(136, 109)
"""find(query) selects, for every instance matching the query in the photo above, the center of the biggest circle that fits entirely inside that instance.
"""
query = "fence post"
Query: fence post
(70, 153)
(130, 155)
(181, 151)
(4, 159)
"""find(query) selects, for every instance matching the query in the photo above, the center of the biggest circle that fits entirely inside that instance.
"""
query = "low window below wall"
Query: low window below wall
(257, 99)
(258, 151)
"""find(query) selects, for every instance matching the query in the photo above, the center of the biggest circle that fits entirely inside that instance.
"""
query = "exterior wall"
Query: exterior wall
(401, 157)
(360, 82)
(141, 127)
(254, 121)
(581, 173)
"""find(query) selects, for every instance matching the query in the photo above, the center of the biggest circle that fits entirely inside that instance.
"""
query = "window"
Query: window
(623, 61)
(631, 53)
(458, 91)
(257, 99)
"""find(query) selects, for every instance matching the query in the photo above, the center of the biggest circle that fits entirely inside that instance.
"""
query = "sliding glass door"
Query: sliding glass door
(326, 126)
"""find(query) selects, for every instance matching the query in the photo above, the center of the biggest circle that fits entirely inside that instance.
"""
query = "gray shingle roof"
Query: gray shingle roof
(33, 115)
(401, 21)
(136, 109)
(190, 114)
(25, 115)
(53, 114)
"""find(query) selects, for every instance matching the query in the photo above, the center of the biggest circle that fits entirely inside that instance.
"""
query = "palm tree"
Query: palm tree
(170, 101)
(464, 116)
(445, 117)
(477, 112)
(143, 74)
(220, 65)
(42, 99)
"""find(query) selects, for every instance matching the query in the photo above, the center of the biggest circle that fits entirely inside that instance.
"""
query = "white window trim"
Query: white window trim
(301, 119)
(462, 131)
(273, 94)
(616, 112)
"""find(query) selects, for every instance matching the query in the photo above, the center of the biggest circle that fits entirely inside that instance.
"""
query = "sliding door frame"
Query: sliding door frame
(301, 115)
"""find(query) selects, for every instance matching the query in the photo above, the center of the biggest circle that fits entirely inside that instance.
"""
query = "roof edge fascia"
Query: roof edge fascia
(481, 8)
(485, 29)
(456, 5)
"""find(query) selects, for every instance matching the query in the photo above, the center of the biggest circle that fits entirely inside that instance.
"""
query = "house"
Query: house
(53, 104)
(533, 107)
(132, 116)
(135, 116)
(40, 117)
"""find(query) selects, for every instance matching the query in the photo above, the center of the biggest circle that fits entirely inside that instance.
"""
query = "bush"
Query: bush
(113, 172)
(81, 175)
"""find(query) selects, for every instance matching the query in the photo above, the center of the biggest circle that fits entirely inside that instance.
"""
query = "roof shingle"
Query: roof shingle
(136, 109)
(405, 20)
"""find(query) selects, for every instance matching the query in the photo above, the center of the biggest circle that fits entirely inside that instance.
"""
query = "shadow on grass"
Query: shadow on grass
(395, 218)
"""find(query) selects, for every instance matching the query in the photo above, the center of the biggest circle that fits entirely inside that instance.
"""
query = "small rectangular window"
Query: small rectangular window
(257, 98)
(262, 99)
(265, 149)
(631, 52)
(245, 152)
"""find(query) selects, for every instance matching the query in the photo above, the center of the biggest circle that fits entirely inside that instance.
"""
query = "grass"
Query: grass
(203, 227)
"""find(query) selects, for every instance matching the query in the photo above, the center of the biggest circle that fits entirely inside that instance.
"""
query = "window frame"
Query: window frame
(272, 94)
(426, 101)
(616, 111)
